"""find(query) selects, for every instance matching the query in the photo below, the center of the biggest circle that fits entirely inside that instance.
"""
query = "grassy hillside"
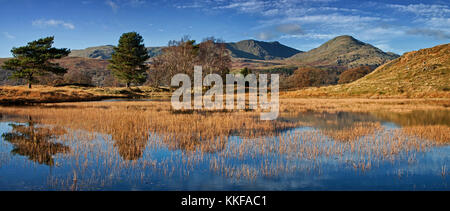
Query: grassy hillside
(89, 71)
(343, 51)
(5, 74)
(423, 73)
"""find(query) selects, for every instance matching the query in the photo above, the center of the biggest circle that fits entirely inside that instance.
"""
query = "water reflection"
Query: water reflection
(212, 145)
(340, 120)
(130, 148)
(417, 117)
(34, 142)
(340, 150)
(349, 126)
(337, 120)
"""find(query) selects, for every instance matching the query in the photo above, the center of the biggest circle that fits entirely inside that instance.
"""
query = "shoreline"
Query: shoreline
(22, 96)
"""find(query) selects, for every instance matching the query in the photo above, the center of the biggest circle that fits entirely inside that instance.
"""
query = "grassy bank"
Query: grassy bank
(21, 95)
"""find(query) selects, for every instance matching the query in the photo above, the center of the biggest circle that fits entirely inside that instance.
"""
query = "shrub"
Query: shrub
(354, 74)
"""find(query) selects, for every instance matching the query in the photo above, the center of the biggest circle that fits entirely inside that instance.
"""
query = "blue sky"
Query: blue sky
(397, 26)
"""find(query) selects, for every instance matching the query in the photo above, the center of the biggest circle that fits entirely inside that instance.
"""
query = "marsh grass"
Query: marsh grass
(21, 95)
(110, 142)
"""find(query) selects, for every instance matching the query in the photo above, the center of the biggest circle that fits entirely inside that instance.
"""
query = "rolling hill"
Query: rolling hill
(93, 71)
(246, 49)
(4, 75)
(105, 52)
(343, 51)
(99, 52)
(422, 73)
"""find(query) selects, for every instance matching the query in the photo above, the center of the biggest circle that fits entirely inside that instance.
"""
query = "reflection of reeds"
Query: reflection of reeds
(437, 133)
(133, 131)
(130, 123)
(35, 142)
(355, 132)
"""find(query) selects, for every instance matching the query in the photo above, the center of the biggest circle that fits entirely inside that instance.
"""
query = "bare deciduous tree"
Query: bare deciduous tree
(181, 57)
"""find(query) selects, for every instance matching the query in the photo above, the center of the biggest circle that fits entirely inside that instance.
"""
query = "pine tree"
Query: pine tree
(35, 59)
(128, 59)
(245, 71)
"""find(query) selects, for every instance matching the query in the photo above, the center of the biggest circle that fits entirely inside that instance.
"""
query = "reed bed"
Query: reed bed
(108, 143)
(292, 105)
(438, 133)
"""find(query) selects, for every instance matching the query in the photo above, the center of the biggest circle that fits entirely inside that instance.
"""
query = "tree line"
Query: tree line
(129, 62)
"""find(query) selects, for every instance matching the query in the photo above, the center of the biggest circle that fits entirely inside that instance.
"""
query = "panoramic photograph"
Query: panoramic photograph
(218, 95)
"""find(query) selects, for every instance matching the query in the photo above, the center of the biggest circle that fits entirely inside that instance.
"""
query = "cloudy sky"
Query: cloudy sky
(397, 26)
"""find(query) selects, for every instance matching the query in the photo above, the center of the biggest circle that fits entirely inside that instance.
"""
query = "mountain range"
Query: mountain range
(248, 49)
(105, 52)
(253, 49)
(344, 51)
(426, 70)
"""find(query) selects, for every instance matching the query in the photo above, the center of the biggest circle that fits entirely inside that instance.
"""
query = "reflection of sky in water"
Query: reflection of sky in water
(424, 173)
(17, 172)
(390, 125)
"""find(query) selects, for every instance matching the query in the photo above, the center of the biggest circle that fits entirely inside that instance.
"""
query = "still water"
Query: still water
(332, 151)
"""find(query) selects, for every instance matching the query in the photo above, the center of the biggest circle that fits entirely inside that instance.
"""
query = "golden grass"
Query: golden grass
(355, 132)
(265, 148)
(346, 91)
(23, 95)
(290, 105)
(437, 133)
(17, 95)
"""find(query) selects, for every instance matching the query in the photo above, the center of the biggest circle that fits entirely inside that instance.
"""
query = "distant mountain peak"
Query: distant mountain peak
(344, 37)
(346, 51)
(255, 49)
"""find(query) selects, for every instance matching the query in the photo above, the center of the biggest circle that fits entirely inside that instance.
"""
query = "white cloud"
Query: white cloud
(437, 34)
(136, 3)
(189, 6)
(333, 19)
(53, 23)
(114, 6)
(385, 47)
(293, 29)
(315, 36)
(432, 20)
(435, 22)
(321, 20)
(9, 36)
(265, 36)
(423, 9)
